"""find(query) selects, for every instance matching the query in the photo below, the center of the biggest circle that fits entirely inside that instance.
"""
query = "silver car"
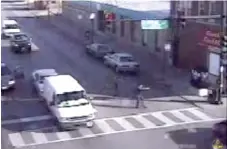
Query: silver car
(98, 50)
(122, 62)
(38, 77)
(7, 77)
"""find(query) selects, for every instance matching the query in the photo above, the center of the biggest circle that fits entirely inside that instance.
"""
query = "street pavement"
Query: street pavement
(26, 120)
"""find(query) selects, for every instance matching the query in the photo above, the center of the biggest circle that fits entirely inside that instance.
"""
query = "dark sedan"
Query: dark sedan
(98, 50)
(20, 43)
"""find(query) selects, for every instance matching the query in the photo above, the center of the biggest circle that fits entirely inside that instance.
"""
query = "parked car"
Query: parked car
(122, 62)
(7, 77)
(38, 77)
(98, 50)
(220, 134)
(20, 42)
(10, 27)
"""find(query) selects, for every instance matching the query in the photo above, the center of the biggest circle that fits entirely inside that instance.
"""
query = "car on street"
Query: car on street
(7, 77)
(220, 134)
(122, 62)
(9, 27)
(38, 77)
(68, 102)
(98, 50)
(20, 42)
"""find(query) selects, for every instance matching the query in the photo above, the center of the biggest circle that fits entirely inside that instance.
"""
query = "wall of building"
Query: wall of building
(79, 13)
(197, 40)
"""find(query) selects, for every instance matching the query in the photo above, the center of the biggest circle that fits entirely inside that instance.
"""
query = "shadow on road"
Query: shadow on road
(200, 139)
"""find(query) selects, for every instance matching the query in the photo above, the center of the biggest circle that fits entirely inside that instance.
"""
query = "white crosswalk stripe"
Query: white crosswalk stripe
(111, 125)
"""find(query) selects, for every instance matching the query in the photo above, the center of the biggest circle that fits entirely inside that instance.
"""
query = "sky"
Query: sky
(141, 5)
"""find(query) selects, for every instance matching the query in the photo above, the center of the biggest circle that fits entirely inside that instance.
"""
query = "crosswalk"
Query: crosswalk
(112, 125)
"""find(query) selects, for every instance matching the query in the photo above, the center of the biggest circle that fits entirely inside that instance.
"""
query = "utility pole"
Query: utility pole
(221, 80)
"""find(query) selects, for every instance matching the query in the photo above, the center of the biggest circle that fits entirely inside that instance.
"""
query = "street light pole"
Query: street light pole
(92, 17)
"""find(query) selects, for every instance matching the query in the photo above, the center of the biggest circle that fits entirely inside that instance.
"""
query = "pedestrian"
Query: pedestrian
(139, 96)
(116, 86)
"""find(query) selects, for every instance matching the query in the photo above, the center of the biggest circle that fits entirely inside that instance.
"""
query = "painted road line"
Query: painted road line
(16, 139)
(104, 126)
(39, 137)
(86, 132)
(117, 132)
(27, 119)
(163, 118)
(200, 114)
(124, 123)
(146, 123)
(181, 116)
(63, 135)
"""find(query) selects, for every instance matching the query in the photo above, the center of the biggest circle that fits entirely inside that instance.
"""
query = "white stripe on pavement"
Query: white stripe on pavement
(105, 127)
(124, 123)
(146, 123)
(39, 137)
(86, 132)
(163, 118)
(181, 116)
(16, 139)
(199, 114)
(63, 135)
(27, 119)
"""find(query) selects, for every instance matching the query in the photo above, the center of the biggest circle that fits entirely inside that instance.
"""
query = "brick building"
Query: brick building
(199, 39)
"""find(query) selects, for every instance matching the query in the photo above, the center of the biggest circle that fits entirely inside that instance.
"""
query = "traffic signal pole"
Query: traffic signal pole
(223, 68)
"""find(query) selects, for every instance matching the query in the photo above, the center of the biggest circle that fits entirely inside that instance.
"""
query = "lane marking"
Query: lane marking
(104, 126)
(63, 135)
(27, 119)
(124, 123)
(181, 116)
(163, 118)
(146, 123)
(86, 132)
(16, 139)
(199, 114)
(39, 137)
(123, 131)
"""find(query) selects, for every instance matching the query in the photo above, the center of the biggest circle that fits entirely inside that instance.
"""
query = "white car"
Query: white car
(10, 27)
(122, 62)
(38, 77)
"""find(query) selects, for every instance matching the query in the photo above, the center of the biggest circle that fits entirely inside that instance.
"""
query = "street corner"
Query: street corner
(34, 47)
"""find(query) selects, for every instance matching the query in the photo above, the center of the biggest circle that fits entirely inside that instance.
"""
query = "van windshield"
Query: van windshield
(72, 96)
(11, 26)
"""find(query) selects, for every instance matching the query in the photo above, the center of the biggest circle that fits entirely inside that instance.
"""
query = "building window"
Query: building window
(201, 7)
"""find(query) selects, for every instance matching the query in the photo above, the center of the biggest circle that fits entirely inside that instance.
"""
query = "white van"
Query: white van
(68, 102)
(10, 27)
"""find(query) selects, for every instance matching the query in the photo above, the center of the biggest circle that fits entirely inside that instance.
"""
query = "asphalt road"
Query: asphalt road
(25, 114)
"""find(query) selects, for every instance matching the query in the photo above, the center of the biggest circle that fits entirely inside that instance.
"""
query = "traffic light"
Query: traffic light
(224, 43)
(224, 50)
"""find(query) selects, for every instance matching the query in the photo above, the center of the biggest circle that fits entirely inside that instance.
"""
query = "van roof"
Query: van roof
(9, 22)
(64, 83)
